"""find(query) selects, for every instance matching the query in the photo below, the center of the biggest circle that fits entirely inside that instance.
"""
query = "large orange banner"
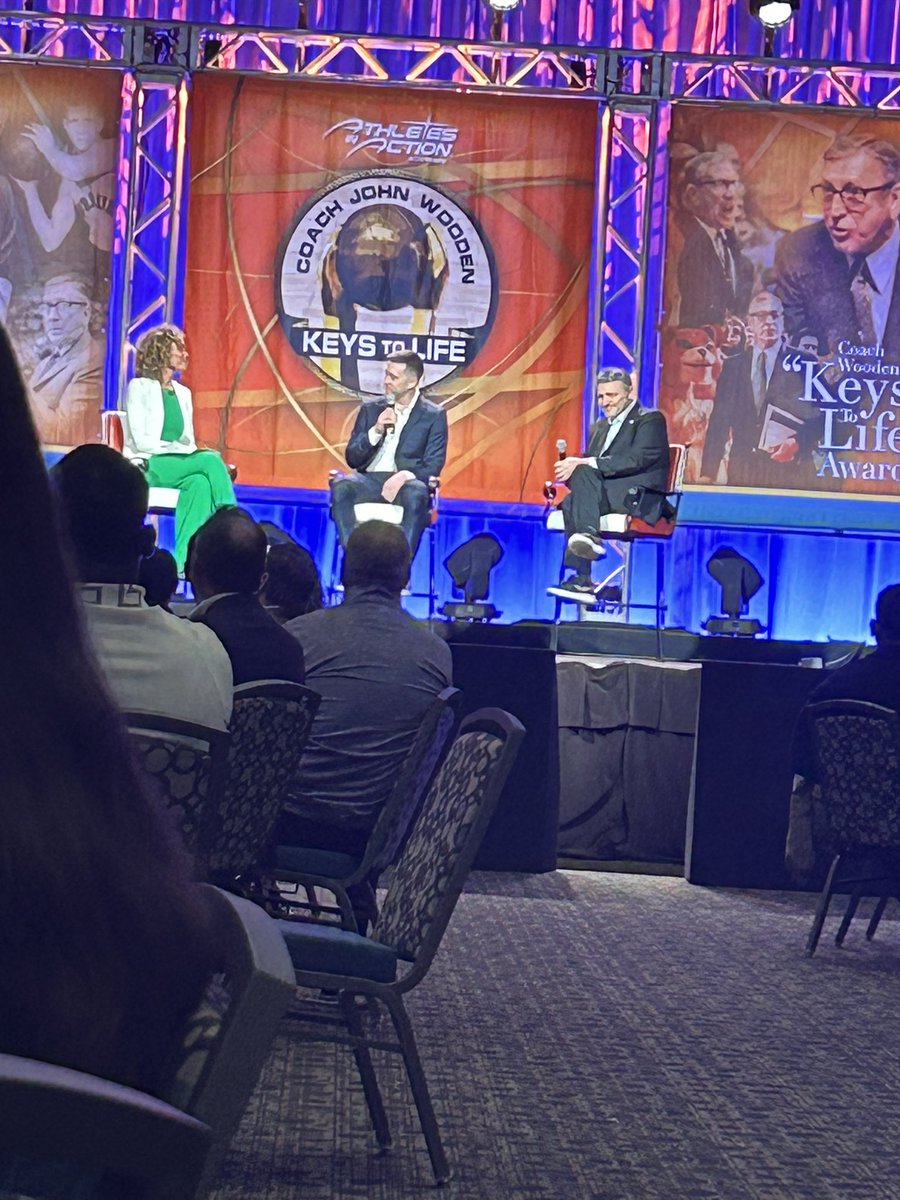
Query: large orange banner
(331, 226)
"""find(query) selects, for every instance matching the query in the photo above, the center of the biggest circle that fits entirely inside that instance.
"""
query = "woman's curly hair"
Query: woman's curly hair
(154, 349)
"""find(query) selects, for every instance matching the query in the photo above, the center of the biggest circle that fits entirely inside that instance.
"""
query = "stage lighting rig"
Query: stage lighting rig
(772, 15)
(470, 565)
(739, 581)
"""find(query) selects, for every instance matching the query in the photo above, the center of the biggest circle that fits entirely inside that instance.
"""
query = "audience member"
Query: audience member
(105, 946)
(158, 576)
(874, 677)
(377, 671)
(227, 569)
(293, 587)
(153, 662)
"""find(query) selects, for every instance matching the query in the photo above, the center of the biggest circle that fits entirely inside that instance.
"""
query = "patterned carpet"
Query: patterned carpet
(611, 1037)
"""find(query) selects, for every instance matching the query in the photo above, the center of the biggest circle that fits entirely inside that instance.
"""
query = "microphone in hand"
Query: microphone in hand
(388, 419)
(562, 448)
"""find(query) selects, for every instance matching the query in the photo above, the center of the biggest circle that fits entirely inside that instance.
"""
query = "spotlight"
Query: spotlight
(773, 13)
(470, 565)
(739, 581)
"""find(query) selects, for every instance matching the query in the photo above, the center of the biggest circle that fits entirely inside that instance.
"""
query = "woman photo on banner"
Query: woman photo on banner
(159, 431)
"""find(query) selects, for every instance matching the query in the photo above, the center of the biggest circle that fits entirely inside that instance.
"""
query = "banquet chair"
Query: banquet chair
(417, 908)
(619, 532)
(226, 1049)
(342, 873)
(269, 727)
(172, 1148)
(393, 514)
(189, 764)
(856, 747)
(64, 1129)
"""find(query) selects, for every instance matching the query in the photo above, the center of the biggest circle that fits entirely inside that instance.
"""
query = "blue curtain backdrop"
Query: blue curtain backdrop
(817, 585)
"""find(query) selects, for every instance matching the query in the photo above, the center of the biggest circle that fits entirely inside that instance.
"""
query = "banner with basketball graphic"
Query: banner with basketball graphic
(781, 330)
(58, 157)
(329, 227)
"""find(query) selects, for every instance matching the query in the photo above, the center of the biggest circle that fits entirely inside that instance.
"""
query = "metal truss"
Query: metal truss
(632, 87)
(627, 144)
(152, 250)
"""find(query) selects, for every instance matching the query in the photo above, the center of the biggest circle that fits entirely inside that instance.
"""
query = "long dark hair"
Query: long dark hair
(102, 943)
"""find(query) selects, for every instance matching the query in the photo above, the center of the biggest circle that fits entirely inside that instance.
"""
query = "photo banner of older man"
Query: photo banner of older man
(58, 151)
(781, 321)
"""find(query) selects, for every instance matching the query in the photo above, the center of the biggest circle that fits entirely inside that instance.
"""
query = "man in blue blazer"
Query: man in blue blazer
(398, 442)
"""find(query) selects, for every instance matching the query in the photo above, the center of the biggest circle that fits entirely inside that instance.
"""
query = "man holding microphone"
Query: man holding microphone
(397, 443)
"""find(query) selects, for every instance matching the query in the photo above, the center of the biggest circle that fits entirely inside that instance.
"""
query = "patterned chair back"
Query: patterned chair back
(857, 751)
(188, 763)
(445, 838)
(419, 768)
(269, 727)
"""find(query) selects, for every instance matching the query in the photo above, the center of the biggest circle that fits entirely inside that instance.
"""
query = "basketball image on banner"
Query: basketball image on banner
(330, 227)
(781, 334)
(379, 263)
(58, 150)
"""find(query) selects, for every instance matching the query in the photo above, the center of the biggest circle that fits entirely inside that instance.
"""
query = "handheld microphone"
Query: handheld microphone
(389, 408)
(562, 448)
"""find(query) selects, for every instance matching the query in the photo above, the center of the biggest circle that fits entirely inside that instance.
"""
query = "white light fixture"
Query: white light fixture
(503, 5)
(773, 13)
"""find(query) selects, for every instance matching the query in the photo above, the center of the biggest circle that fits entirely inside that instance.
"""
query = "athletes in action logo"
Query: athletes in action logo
(383, 262)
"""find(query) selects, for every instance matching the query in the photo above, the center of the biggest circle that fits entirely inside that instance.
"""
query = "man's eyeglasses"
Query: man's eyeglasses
(719, 185)
(852, 197)
(61, 306)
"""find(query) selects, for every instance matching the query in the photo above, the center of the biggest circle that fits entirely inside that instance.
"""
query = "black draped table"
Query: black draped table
(627, 730)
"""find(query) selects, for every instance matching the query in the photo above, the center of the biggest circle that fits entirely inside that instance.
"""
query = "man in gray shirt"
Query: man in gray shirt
(377, 672)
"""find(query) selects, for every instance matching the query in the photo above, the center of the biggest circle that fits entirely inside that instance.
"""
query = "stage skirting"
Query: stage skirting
(627, 758)
(626, 746)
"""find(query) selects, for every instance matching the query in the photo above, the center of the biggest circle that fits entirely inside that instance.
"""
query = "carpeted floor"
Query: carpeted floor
(612, 1037)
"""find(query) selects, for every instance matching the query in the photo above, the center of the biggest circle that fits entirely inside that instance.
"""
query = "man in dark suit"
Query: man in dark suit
(397, 443)
(838, 278)
(625, 469)
(715, 279)
(227, 569)
(758, 409)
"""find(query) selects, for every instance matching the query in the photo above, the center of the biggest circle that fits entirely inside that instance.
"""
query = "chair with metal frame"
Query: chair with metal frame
(619, 531)
(343, 873)
(418, 905)
(856, 749)
(375, 510)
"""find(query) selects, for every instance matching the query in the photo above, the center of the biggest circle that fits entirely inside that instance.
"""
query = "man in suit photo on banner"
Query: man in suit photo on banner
(761, 434)
(625, 469)
(398, 442)
(838, 278)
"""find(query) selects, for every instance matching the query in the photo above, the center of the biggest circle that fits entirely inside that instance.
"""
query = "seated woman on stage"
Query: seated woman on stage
(159, 430)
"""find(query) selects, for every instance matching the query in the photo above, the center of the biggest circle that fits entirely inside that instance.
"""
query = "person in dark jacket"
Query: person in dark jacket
(227, 570)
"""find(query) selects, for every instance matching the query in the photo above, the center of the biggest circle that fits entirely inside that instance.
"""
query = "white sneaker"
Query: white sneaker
(580, 593)
(585, 545)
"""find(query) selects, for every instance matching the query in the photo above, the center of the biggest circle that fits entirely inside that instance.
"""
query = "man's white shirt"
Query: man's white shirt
(386, 456)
